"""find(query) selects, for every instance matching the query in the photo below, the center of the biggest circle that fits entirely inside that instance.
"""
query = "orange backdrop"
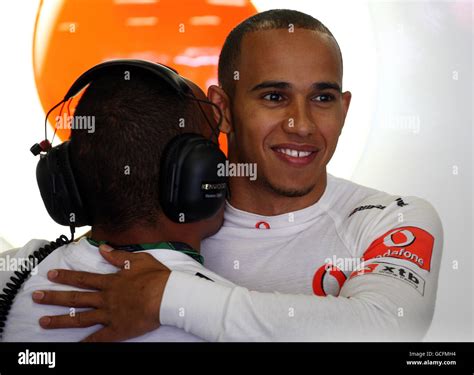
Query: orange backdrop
(73, 35)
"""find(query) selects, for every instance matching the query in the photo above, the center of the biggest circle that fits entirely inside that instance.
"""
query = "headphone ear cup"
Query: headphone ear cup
(168, 168)
(58, 188)
(191, 189)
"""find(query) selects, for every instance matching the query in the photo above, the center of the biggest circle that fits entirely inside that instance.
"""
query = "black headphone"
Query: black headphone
(190, 188)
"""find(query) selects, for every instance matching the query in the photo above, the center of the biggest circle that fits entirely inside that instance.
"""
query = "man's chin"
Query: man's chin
(290, 191)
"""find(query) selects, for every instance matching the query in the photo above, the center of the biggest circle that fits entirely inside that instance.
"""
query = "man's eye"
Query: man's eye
(273, 97)
(324, 98)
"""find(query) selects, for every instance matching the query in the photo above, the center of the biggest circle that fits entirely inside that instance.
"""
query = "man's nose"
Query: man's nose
(300, 121)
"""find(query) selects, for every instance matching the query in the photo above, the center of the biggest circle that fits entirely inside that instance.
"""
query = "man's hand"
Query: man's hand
(127, 303)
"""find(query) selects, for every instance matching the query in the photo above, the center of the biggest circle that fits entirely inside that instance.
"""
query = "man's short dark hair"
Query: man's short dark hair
(117, 166)
(269, 20)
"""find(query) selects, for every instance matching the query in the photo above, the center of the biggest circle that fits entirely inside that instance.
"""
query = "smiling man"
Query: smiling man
(316, 258)
(285, 111)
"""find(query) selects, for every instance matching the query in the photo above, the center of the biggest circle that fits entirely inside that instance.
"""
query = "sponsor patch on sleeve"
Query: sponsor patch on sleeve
(395, 272)
(408, 243)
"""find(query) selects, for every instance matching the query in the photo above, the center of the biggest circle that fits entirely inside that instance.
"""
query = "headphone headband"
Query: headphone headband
(167, 74)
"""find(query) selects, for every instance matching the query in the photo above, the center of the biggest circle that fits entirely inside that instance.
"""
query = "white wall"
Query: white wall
(421, 137)
(22, 214)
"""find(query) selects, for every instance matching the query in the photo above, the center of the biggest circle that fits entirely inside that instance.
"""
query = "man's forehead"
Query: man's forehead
(283, 55)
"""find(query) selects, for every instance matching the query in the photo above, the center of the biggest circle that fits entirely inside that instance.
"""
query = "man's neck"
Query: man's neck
(144, 235)
(264, 201)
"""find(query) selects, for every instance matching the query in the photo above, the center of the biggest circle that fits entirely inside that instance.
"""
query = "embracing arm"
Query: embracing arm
(370, 307)
(390, 297)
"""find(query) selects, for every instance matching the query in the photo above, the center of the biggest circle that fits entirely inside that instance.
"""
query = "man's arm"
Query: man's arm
(370, 307)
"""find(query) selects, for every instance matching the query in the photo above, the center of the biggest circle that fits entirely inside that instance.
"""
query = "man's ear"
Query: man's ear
(219, 97)
(346, 101)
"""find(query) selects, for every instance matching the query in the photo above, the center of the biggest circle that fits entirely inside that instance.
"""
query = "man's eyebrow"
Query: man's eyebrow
(286, 85)
(271, 84)
(327, 85)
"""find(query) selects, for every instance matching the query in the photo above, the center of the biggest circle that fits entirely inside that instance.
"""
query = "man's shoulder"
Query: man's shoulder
(343, 196)
(30, 247)
(367, 213)
(396, 208)
(349, 198)
(77, 256)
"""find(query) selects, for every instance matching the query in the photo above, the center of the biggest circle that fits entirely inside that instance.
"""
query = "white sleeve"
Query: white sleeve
(391, 298)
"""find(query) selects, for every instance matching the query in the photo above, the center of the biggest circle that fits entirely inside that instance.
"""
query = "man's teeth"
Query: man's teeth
(294, 153)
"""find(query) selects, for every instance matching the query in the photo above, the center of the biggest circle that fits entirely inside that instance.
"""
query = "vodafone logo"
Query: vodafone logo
(404, 254)
(399, 238)
(328, 279)
(262, 225)
(407, 243)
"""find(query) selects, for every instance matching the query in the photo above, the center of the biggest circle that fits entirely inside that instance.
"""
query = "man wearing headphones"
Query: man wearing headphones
(122, 171)
(316, 258)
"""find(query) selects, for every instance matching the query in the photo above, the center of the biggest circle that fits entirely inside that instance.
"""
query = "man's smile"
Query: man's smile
(295, 154)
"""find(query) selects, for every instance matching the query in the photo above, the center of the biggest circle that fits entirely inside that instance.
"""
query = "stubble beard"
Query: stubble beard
(285, 192)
